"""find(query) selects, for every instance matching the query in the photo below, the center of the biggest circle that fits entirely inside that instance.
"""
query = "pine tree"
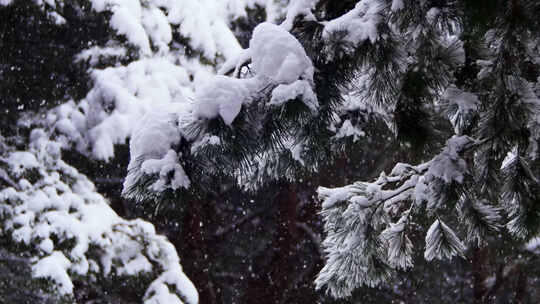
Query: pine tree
(65, 67)
(454, 83)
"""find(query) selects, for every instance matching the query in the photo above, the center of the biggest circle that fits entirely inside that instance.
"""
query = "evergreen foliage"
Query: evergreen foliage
(443, 95)
(455, 83)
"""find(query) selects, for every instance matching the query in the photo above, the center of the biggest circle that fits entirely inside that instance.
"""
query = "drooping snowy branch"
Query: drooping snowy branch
(280, 69)
(362, 233)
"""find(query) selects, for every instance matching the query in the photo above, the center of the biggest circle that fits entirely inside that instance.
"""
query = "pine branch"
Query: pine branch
(442, 242)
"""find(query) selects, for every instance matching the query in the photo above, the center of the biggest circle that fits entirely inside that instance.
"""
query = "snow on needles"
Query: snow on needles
(74, 232)
(278, 61)
(297, 8)
(149, 22)
(360, 23)
(151, 149)
(163, 74)
(223, 96)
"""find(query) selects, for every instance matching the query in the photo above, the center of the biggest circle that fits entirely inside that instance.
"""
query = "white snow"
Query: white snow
(347, 129)
(360, 22)
(448, 165)
(442, 242)
(298, 89)
(298, 8)
(278, 55)
(164, 74)
(63, 205)
(203, 22)
(533, 245)
(58, 19)
(235, 63)
(278, 58)
(118, 101)
(400, 247)
(163, 167)
(296, 152)
(509, 158)
(223, 96)
(94, 54)
(397, 5)
(151, 148)
(126, 19)
(432, 14)
(46, 246)
(204, 141)
(332, 196)
(55, 267)
(21, 161)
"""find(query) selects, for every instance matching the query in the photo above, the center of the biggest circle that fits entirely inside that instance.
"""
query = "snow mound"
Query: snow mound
(223, 96)
(278, 55)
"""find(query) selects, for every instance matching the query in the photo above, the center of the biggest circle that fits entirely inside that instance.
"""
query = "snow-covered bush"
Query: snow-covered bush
(70, 231)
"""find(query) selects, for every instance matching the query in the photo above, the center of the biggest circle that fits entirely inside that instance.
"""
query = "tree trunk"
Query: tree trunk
(274, 279)
(192, 245)
(479, 265)
(521, 285)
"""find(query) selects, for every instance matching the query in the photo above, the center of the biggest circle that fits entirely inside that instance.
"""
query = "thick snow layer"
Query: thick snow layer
(163, 168)
(55, 267)
(21, 161)
(223, 96)
(278, 55)
(118, 101)
(205, 23)
(298, 89)
(150, 23)
(75, 232)
(151, 148)
(360, 23)
(164, 74)
(278, 59)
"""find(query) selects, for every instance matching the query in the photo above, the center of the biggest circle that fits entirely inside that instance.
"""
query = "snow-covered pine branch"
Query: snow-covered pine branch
(281, 69)
(359, 219)
(442, 242)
